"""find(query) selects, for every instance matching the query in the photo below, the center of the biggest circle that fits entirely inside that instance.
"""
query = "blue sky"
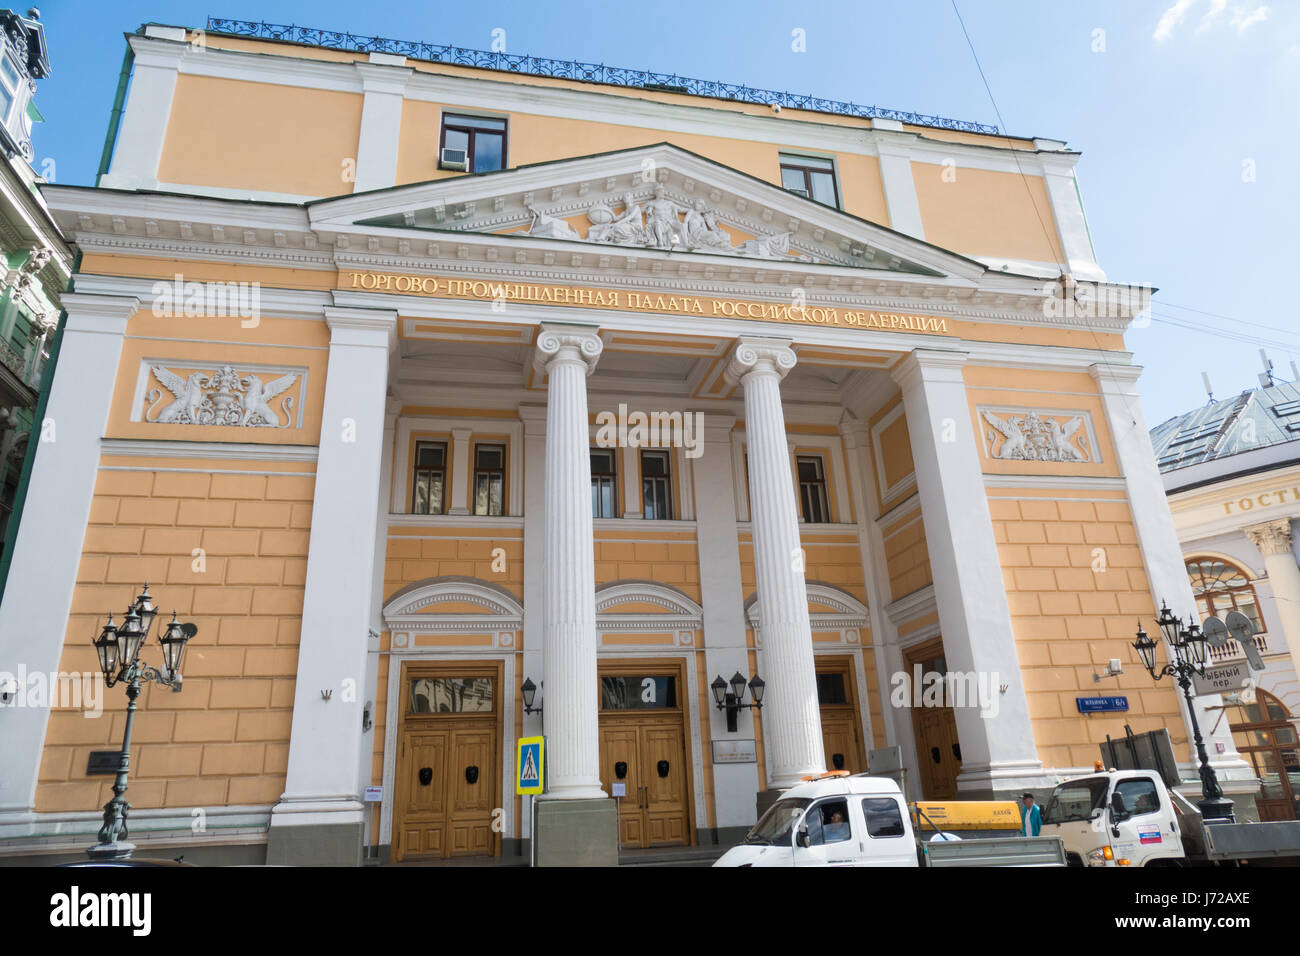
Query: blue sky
(1185, 112)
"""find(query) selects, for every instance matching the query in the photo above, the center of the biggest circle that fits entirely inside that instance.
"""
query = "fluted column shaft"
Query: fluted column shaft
(791, 715)
(1273, 539)
(570, 698)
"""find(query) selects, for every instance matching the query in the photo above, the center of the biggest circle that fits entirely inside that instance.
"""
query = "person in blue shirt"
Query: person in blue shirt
(1031, 818)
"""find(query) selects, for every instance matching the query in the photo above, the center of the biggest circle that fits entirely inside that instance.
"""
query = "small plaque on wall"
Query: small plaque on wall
(103, 761)
(735, 751)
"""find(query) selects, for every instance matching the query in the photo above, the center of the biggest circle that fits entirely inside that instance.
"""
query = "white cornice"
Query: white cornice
(911, 606)
(241, 451)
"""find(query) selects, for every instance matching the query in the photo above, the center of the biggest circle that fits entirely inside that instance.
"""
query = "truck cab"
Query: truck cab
(1119, 818)
(840, 821)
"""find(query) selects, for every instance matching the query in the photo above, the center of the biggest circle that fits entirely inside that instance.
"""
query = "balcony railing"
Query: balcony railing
(1232, 650)
(576, 70)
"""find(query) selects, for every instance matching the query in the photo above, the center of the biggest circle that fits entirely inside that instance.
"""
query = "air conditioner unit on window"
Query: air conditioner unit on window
(454, 159)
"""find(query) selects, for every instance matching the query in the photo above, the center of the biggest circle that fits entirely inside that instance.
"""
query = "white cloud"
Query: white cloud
(1211, 15)
(1170, 19)
(1243, 19)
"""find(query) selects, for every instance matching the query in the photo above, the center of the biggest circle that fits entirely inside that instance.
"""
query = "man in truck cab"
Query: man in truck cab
(1031, 818)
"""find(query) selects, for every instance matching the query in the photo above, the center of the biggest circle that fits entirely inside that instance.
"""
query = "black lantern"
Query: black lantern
(719, 687)
(173, 641)
(118, 649)
(1146, 649)
(1169, 625)
(729, 696)
(106, 648)
(147, 610)
(130, 638)
(529, 691)
(1187, 655)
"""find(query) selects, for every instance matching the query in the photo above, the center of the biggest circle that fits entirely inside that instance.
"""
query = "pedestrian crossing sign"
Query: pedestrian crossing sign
(531, 765)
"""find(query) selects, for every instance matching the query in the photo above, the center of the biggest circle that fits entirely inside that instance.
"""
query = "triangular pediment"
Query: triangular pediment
(657, 200)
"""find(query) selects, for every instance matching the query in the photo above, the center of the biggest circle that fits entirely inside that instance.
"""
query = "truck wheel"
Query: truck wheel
(1073, 859)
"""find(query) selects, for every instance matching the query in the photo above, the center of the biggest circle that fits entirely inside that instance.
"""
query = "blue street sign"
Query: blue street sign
(1093, 705)
(530, 765)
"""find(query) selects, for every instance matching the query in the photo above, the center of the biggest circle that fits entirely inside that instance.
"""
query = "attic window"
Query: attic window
(473, 144)
(812, 177)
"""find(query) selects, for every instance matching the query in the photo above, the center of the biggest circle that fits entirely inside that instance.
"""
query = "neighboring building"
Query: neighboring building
(357, 375)
(1232, 473)
(35, 261)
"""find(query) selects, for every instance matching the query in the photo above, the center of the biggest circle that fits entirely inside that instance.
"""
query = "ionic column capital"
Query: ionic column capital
(567, 343)
(759, 354)
(1271, 537)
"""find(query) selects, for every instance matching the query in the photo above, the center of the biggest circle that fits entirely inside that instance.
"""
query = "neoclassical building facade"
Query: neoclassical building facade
(457, 404)
(1232, 472)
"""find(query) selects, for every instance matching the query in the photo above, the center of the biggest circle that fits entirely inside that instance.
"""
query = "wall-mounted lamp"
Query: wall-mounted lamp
(731, 697)
(529, 690)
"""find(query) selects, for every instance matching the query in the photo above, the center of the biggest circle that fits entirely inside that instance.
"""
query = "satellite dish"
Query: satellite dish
(1239, 627)
(1243, 631)
(1215, 631)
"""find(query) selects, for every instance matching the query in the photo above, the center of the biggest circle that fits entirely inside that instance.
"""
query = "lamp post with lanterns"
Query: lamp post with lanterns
(118, 648)
(1187, 656)
(730, 696)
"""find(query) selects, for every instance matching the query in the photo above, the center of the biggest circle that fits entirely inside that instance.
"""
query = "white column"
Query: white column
(143, 128)
(791, 715)
(47, 549)
(534, 419)
(381, 121)
(322, 788)
(568, 354)
(899, 188)
(726, 651)
(1274, 541)
(1162, 555)
(462, 471)
(998, 751)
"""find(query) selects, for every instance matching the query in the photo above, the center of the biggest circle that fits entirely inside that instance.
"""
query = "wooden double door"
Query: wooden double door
(938, 751)
(647, 757)
(841, 724)
(447, 778)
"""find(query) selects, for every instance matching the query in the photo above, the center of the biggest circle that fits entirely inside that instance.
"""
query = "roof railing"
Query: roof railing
(577, 70)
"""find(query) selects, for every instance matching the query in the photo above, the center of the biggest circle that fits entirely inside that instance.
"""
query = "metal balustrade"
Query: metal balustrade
(577, 70)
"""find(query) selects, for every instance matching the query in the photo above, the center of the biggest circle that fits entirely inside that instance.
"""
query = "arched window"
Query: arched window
(1264, 735)
(1221, 587)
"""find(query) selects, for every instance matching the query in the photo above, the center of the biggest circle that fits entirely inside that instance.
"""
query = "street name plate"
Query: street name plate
(1222, 679)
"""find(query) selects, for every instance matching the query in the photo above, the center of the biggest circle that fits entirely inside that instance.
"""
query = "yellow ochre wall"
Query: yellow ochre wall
(304, 142)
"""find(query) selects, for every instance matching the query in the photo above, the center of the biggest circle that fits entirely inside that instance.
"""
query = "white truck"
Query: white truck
(1130, 818)
(841, 820)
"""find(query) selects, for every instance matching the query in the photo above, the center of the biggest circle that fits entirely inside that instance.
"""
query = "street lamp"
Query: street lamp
(529, 691)
(1187, 655)
(729, 696)
(118, 649)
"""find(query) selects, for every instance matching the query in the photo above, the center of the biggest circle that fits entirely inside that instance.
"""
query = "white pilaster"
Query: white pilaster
(1162, 556)
(631, 468)
(726, 651)
(900, 189)
(143, 128)
(381, 124)
(791, 715)
(568, 354)
(462, 470)
(871, 548)
(326, 741)
(997, 746)
(1067, 212)
(47, 549)
(1275, 543)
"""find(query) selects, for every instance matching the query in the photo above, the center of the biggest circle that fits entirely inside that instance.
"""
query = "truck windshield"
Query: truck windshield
(775, 825)
(1076, 800)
